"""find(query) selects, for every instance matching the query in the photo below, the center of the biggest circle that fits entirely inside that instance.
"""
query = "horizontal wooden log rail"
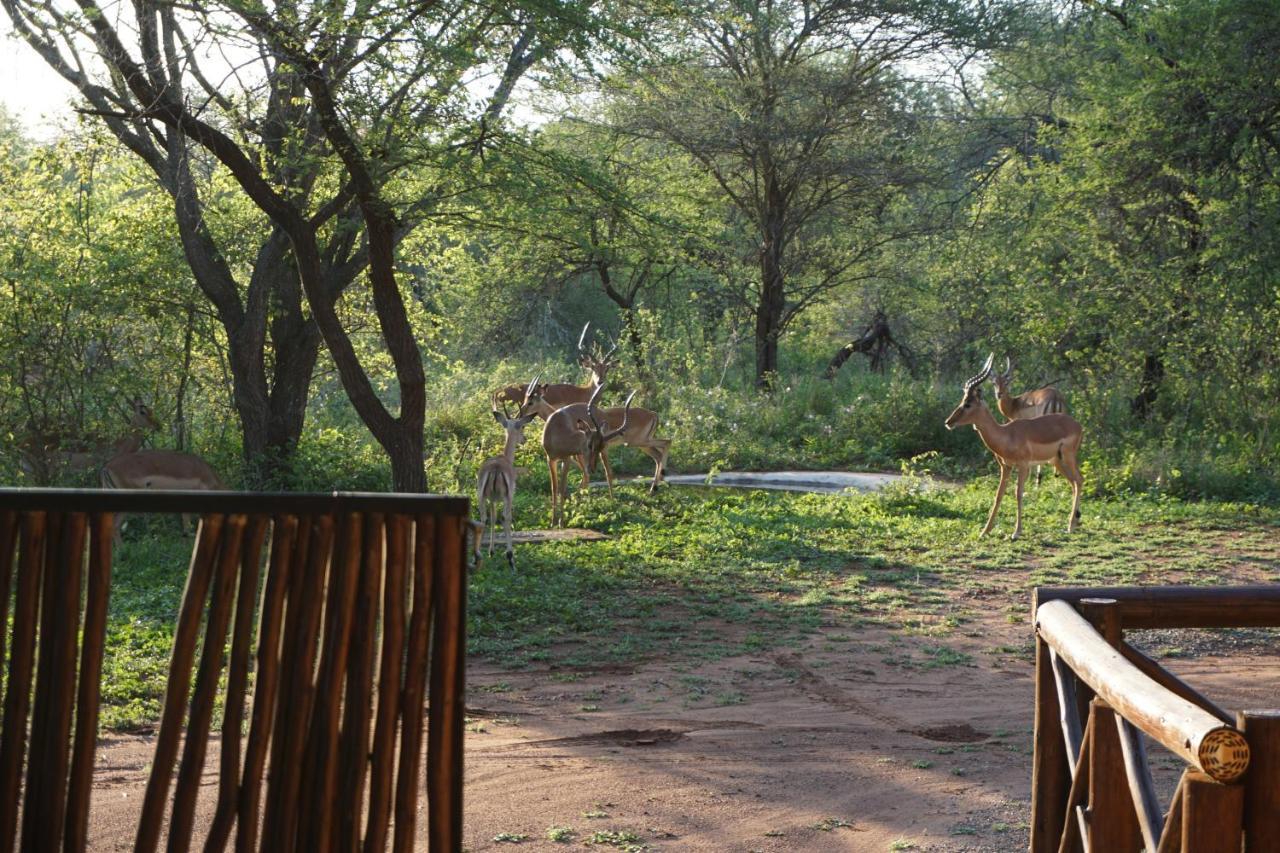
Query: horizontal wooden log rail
(1179, 606)
(331, 626)
(249, 503)
(1180, 726)
(1096, 696)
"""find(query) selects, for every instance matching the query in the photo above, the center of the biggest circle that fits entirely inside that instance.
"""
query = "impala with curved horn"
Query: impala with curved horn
(1051, 438)
(1045, 400)
(597, 361)
(497, 479)
(578, 432)
(637, 432)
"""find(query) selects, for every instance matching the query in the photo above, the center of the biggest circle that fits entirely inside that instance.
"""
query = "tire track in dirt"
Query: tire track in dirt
(831, 694)
(840, 698)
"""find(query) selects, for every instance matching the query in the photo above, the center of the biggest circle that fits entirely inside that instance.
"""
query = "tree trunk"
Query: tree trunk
(408, 470)
(1149, 386)
(773, 283)
(769, 311)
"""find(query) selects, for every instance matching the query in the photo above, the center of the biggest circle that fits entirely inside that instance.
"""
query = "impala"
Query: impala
(1022, 443)
(596, 361)
(636, 431)
(576, 432)
(1031, 404)
(497, 479)
(159, 469)
(43, 457)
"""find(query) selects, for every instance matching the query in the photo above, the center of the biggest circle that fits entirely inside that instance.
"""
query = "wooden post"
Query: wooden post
(448, 690)
(1050, 775)
(1262, 780)
(1105, 616)
(1212, 815)
(1113, 823)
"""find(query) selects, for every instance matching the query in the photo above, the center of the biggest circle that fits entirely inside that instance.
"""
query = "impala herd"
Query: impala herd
(577, 430)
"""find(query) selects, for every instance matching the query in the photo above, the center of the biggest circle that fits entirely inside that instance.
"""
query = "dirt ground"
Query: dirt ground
(859, 740)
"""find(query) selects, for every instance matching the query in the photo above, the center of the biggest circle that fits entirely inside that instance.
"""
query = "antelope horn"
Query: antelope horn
(1008, 369)
(583, 337)
(986, 371)
(626, 412)
(591, 406)
(533, 383)
(506, 413)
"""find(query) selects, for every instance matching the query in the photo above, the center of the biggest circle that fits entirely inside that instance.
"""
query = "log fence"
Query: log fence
(1098, 697)
(332, 628)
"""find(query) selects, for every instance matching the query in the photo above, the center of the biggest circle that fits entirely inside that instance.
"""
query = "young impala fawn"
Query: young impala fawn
(497, 480)
(1022, 443)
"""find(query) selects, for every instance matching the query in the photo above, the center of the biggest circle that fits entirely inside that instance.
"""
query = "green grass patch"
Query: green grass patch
(696, 574)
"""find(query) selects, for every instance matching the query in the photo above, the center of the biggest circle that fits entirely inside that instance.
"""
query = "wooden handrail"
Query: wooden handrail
(1183, 728)
(1180, 606)
(248, 503)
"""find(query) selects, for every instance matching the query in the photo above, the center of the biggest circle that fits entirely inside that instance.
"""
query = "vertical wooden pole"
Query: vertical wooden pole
(1171, 835)
(1212, 815)
(319, 798)
(382, 758)
(8, 542)
(353, 753)
(44, 813)
(97, 597)
(1075, 829)
(293, 715)
(1105, 616)
(203, 556)
(1262, 780)
(448, 676)
(1113, 823)
(415, 682)
(237, 678)
(284, 535)
(17, 700)
(1050, 773)
(196, 739)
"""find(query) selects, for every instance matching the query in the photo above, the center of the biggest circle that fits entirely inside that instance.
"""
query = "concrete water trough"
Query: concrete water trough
(822, 482)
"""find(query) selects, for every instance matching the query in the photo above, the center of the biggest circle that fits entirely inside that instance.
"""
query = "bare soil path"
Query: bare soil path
(862, 740)
(906, 730)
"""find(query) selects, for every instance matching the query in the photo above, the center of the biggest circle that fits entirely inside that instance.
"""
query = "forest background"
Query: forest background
(315, 238)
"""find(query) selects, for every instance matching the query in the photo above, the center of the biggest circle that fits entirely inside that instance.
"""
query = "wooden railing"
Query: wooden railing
(1097, 696)
(346, 612)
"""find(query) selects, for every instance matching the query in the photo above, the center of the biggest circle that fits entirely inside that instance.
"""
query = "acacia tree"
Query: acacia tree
(800, 112)
(320, 112)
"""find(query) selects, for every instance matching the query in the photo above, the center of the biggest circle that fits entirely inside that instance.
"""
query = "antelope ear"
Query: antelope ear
(497, 416)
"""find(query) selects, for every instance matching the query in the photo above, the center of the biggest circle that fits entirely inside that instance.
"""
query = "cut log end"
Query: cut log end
(1224, 754)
